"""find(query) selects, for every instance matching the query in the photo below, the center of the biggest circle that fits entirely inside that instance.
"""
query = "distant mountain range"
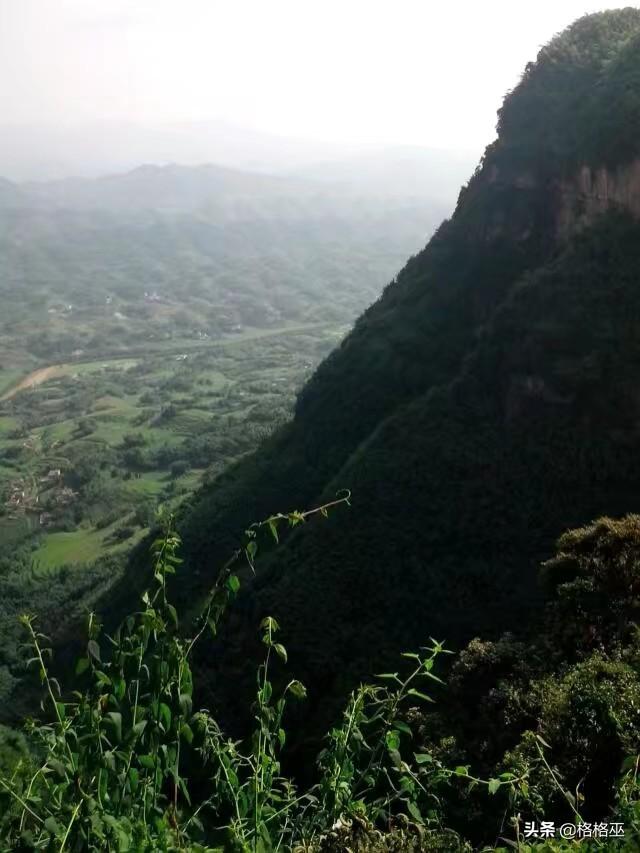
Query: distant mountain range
(164, 188)
(222, 247)
(48, 152)
(45, 153)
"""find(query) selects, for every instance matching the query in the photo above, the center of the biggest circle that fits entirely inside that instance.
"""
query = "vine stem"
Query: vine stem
(557, 783)
(71, 822)
(224, 571)
(45, 675)
(20, 800)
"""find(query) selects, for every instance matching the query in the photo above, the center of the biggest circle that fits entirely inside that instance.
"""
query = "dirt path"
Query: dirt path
(36, 377)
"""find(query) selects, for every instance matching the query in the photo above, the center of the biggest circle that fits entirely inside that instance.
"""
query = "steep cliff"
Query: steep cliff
(595, 191)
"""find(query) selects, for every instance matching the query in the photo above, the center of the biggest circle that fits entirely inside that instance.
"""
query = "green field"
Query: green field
(87, 455)
(79, 546)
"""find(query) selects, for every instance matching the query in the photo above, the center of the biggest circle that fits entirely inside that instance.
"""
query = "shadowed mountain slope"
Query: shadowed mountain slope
(484, 404)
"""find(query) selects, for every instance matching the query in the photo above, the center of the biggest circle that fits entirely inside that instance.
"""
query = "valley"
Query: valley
(157, 326)
(90, 448)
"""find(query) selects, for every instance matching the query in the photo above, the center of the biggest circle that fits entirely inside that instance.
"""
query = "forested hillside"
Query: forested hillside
(482, 406)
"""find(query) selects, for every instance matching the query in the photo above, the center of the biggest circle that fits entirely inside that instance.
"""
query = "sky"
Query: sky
(409, 72)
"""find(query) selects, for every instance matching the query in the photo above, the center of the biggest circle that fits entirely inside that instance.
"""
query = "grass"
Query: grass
(78, 546)
(112, 405)
(150, 483)
(61, 431)
(189, 421)
(7, 424)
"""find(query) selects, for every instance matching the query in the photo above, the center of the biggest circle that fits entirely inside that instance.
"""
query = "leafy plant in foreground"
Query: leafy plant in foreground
(125, 764)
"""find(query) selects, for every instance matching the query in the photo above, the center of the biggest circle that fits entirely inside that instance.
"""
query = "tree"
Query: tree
(178, 468)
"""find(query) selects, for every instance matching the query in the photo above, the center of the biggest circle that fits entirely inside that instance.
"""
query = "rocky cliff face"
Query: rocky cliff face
(595, 191)
(572, 203)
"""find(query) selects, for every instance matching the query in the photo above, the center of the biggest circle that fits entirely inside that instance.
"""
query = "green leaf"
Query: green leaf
(267, 691)
(461, 771)
(133, 778)
(269, 624)
(58, 767)
(51, 825)
(115, 720)
(273, 528)
(103, 678)
(82, 665)
(186, 704)
(423, 758)
(94, 650)
(119, 687)
(396, 758)
(543, 741)
(393, 740)
(414, 811)
(297, 689)
(146, 761)
(280, 651)
(403, 727)
(493, 786)
(139, 728)
(389, 676)
(186, 732)
(165, 716)
(233, 582)
(419, 695)
(432, 677)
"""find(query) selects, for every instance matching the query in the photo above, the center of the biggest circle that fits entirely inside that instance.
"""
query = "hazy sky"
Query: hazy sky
(383, 71)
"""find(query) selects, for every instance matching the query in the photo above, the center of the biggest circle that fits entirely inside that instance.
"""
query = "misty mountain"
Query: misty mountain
(226, 193)
(47, 152)
(167, 188)
(214, 249)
